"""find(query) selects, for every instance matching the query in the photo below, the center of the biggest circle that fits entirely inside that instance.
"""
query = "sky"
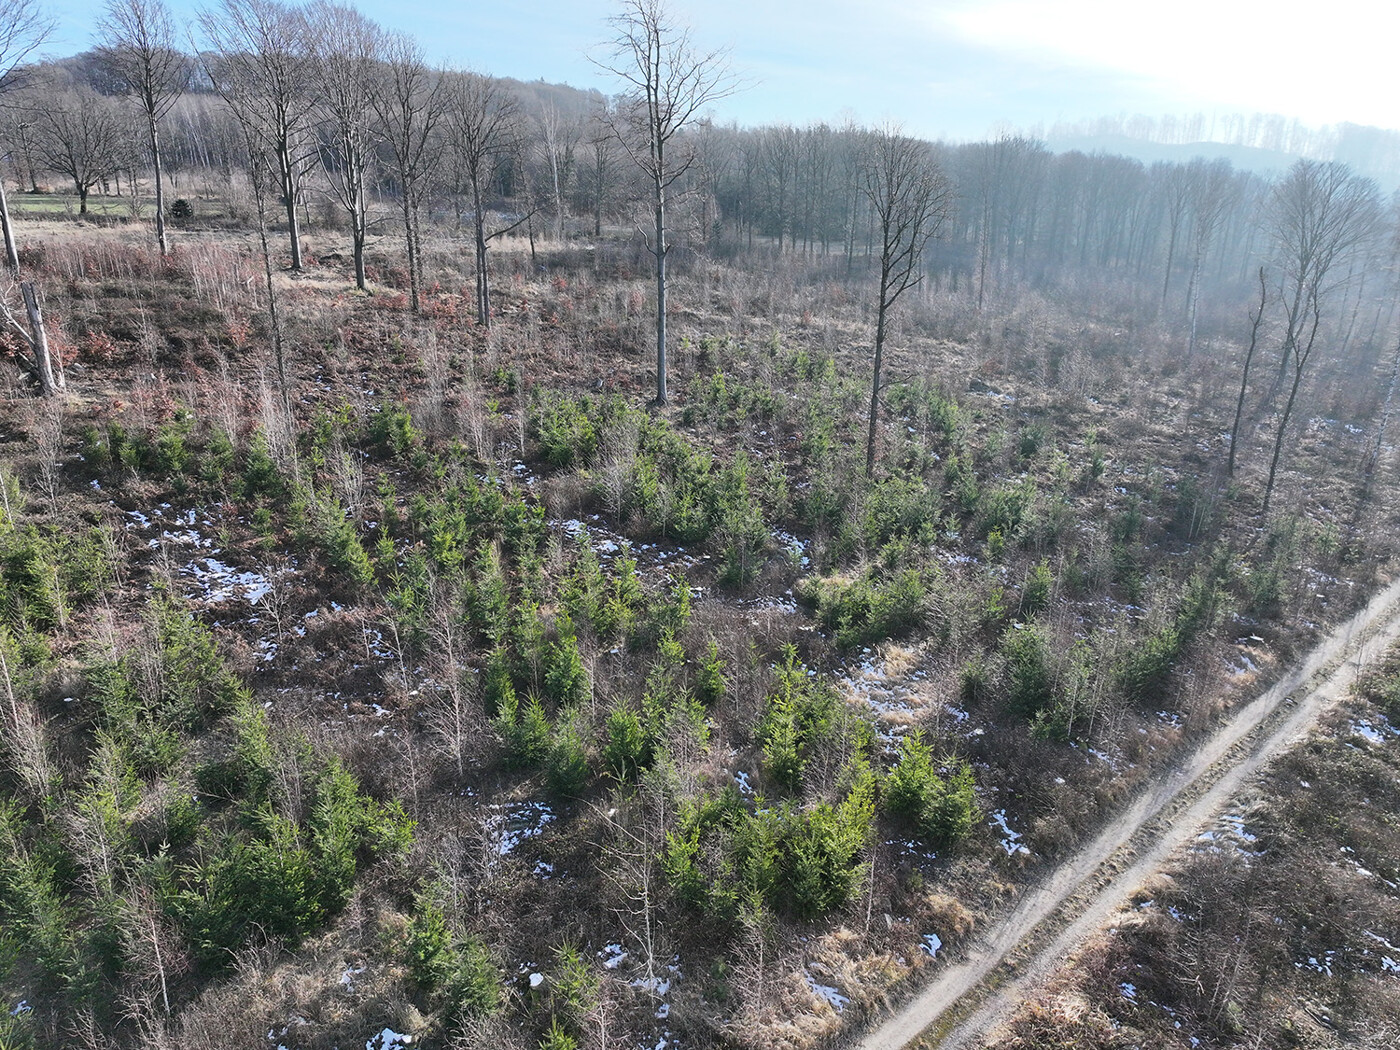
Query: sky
(952, 69)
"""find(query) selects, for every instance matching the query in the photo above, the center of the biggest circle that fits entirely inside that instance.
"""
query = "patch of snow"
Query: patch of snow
(1103, 757)
(1323, 966)
(221, 583)
(1010, 840)
(1382, 941)
(795, 547)
(1229, 832)
(388, 1040)
(870, 682)
(832, 996)
(1364, 729)
(543, 869)
(785, 604)
(613, 956)
(659, 986)
(375, 644)
(518, 822)
(912, 848)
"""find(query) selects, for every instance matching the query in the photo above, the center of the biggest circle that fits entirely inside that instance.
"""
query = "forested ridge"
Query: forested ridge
(496, 565)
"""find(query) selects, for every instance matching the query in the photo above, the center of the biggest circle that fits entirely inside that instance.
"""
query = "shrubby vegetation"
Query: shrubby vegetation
(430, 659)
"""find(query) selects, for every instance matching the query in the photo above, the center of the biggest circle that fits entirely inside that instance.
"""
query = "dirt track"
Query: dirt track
(965, 1001)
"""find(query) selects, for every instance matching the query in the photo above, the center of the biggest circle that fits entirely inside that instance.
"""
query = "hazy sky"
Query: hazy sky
(952, 68)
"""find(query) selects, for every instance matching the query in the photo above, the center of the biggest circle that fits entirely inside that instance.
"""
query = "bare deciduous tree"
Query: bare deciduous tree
(669, 84)
(410, 105)
(558, 139)
(632, 844)
(138, 49)
(1213, 190)
(603, 156)
(259, 61)
(1319, 216)
(83, 137)
(346, 48)
(1173, 185)
(24, 26)
(910, 198)
(483, 125)
(258, 168)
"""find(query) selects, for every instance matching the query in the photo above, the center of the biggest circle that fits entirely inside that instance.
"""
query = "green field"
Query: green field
(58, 205)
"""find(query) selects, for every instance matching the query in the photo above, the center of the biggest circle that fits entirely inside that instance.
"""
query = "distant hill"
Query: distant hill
(1374, 152)
(1250, 158)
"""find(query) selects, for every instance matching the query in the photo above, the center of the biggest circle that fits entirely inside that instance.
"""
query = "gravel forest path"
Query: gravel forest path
(966, 1000)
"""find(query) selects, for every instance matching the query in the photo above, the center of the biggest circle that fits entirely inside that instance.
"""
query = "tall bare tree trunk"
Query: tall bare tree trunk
(483, 287)
(669, 84)
(1301, 353)
(293, 221)
(273, 315)
(160, 188)
(875, 380)
(1255, 321)
(50, 379)
(659, 250)
(413, 294)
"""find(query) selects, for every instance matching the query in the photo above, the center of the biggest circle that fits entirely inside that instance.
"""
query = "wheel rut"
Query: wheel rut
(966, 1000)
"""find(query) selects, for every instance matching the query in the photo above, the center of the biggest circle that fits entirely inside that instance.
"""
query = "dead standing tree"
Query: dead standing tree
(45, 367)
(138, 48)
(23, 27)
(910, 198)
(669, 84)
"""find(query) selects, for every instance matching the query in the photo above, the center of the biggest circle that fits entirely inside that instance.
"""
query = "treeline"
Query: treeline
(348, 117)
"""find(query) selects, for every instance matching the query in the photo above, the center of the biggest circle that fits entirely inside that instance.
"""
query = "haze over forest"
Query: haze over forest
(1079, 74)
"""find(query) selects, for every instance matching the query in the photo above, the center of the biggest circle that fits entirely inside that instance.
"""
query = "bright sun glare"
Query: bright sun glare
(1321, 63)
